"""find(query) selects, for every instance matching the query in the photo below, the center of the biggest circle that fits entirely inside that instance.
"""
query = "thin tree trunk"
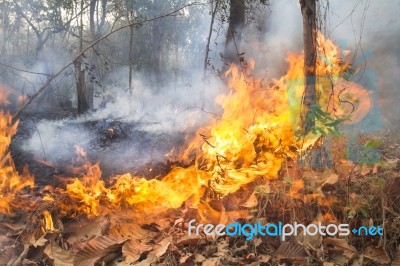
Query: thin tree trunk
(308, 11)
(235, 29)
(130, 59)
(81, 83)
(214, 12)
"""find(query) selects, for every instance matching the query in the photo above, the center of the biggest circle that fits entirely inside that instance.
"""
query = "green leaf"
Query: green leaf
(364, 212)
(288, 179)
(372, 143)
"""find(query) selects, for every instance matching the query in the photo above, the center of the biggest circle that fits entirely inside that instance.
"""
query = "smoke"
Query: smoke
(369, 29)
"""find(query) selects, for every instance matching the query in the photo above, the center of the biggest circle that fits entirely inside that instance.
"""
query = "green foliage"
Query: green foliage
(373, 143)
(324, 122)
(347, 72)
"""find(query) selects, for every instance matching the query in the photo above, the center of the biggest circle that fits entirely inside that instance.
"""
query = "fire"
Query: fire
(249, 142)
(48, 221)
(11, 182)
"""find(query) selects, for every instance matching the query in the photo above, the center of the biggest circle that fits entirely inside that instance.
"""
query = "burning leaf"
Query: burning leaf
(378, 255)
(96, 249)
(11, 182)
(48, 221)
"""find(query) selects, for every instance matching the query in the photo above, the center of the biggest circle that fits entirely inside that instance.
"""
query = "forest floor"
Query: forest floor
(355, 194)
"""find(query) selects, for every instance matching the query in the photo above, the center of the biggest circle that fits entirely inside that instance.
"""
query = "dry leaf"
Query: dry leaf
(61, 257)
(290, 251)
(331, 179)
(128, 229)
(191, 240)
(148, 261)
(11, 229)
(8, 249)
(161, 247)
(251, 202)
(133, 249)
(341, 245)
(96, 249)
(264, 258)
(83, 228)
(396, 261)
(378, 255)
(211, 262)
(365, 171)
(42, 241)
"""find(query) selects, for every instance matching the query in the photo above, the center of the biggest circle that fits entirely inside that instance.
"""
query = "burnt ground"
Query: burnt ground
(143, 151)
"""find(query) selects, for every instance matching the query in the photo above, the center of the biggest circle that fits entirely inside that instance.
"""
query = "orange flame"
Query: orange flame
(48, 221)
(249, 142)
(11, 182)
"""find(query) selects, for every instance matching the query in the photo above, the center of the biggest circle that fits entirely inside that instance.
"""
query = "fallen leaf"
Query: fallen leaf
(211, 262)
(378, 255)
(128, 229)
(264, 258)
(251, 202)
(8, 249)
(191, 240)
(11, 229)
(148, 261)
(60, 257)
(230, 202)
(199, 258)
(365, 171)
(83, 228)
(291, 251)
(40, 242)
(263, 190)
(396, 261)
(331, 179)
(133, 249)
(96, 249)
(222, 247)
(341, 245)
(161, 247)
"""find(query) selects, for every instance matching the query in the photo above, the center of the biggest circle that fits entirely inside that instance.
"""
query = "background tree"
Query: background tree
(236, 22)
(308, 11)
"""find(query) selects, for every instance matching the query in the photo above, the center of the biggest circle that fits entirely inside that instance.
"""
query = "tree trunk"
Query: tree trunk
(213, 13)
(130, 59)
(308, 11)
(157, 42)
(235, 29)
(83, 105)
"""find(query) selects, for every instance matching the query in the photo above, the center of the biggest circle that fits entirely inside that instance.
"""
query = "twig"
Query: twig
(26, 71)
(40, 138)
